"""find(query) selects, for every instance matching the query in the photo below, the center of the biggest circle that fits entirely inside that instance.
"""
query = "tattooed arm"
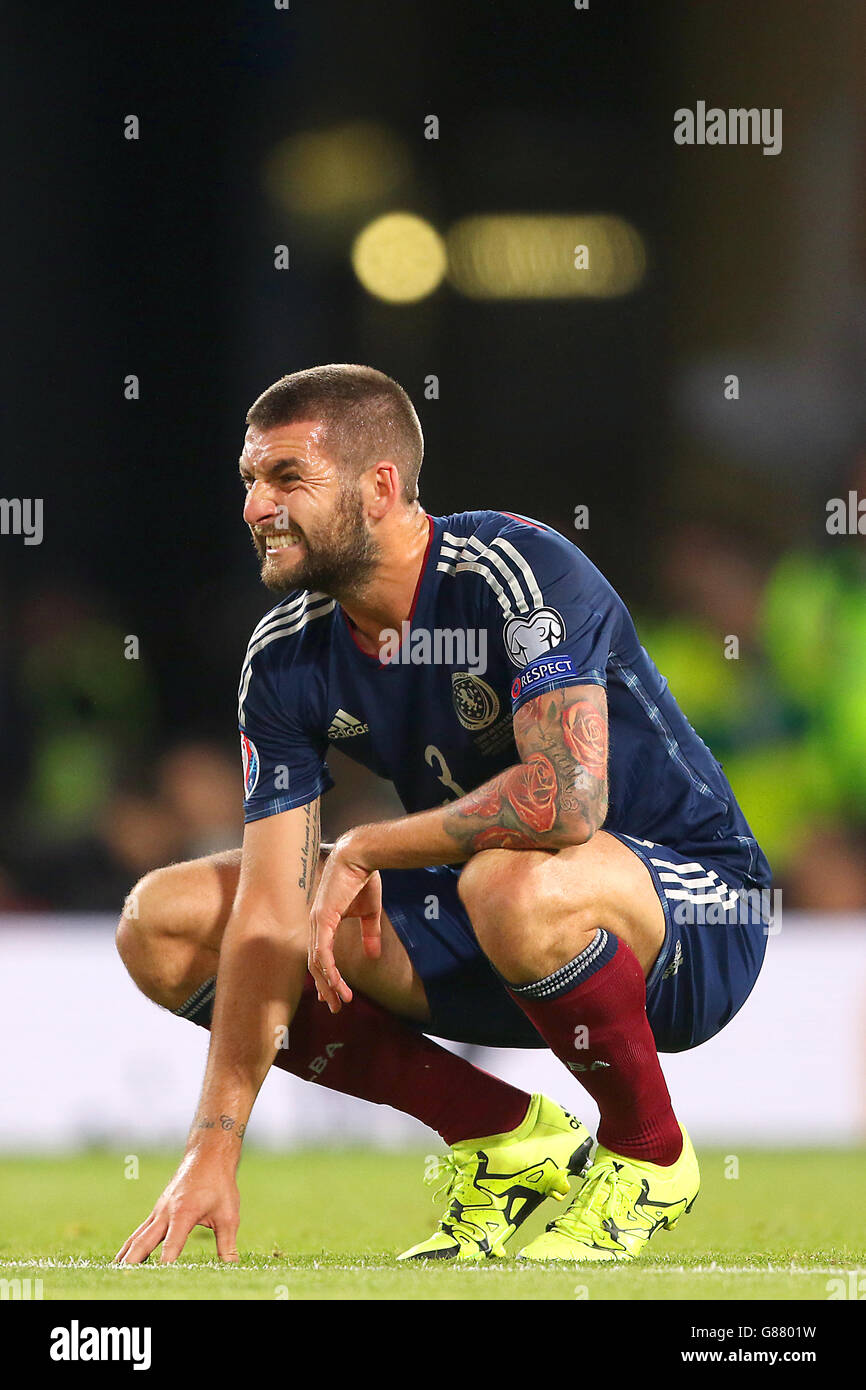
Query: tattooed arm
(554, 797)
(262, 964)
(557, 794)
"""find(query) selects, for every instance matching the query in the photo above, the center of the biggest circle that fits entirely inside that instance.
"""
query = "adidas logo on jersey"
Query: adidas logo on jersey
(675, 963)
(345, 725)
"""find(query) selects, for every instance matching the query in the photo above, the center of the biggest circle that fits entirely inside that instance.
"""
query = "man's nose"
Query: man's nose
(259, 505)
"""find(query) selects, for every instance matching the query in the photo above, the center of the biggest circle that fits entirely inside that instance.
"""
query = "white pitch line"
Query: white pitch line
(497, 1267)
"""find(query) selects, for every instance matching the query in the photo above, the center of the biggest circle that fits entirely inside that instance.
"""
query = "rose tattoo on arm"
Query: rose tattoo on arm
(557, 794)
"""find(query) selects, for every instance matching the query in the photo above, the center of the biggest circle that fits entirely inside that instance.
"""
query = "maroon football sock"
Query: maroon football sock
(364, 1051)
(592, 1014)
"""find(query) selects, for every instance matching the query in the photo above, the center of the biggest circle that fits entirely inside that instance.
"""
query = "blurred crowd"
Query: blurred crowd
(96, 790)
(784, 709)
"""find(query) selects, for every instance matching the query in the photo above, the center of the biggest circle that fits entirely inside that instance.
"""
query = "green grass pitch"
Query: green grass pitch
(327, 1224)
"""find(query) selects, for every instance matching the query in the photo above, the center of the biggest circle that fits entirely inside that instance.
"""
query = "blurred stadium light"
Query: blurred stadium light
(399, 258)
(338, 169)
(510, 256)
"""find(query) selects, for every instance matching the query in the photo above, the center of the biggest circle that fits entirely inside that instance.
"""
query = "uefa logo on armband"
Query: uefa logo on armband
(250, 757)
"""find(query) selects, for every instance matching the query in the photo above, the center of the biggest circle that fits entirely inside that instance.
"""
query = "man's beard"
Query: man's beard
(337, 561)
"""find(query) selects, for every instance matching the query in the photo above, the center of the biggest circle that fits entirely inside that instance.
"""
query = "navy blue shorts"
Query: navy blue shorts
(715, 938)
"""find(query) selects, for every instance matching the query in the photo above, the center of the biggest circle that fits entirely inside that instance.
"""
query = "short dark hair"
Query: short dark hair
(367, 416)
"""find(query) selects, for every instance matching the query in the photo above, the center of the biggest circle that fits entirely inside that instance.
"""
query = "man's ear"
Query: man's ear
(381, 488)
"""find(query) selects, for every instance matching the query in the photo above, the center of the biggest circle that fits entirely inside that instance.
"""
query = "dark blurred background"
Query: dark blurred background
(262, 128)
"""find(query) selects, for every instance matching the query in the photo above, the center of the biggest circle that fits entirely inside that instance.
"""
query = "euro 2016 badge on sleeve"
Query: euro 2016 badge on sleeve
(250, 757)
(530, 636)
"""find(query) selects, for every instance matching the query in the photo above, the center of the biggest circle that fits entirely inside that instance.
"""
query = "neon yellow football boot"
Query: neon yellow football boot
(494, 1184)
(621, 1204)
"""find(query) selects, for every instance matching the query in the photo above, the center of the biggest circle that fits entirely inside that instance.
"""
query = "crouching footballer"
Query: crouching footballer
(572, 871)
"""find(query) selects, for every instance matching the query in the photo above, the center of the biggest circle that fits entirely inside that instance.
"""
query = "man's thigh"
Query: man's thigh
(466, 999)
(699, 973)
(390, 980)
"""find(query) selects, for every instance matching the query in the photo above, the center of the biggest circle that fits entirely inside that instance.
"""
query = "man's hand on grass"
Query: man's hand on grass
(203, 1192)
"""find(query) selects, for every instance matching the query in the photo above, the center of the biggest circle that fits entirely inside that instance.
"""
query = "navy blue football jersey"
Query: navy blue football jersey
(505, 609)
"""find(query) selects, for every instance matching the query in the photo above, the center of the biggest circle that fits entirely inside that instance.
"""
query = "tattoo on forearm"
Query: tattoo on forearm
(310, 849)
(226, 1122)
(560, 787)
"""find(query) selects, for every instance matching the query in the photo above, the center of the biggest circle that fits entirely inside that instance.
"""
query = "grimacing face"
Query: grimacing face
(305, 514)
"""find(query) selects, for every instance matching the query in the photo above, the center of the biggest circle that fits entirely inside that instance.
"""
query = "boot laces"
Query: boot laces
(457, 1180)
(603, 1193)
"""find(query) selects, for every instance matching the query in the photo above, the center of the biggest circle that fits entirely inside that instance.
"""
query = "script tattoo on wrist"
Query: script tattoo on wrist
(557, 794)
(226, 1122)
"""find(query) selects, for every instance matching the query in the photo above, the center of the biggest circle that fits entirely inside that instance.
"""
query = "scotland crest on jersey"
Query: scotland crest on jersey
(476, 702)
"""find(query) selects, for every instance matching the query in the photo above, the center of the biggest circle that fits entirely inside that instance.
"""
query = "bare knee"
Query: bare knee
(169, 932)
(505, 889)
(146, 941)
(523, 924)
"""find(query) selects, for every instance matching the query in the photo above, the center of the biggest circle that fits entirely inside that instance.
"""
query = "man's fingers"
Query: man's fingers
(340, 895)
(121, 1254)
(371, 919)
(132, 1245)
(176, 1237)
(323, 968)
(226, 1232)
(324, 990)
(144, 1242)
(371, 936)
(176, 1233)
(333, 991)
(340, 991)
